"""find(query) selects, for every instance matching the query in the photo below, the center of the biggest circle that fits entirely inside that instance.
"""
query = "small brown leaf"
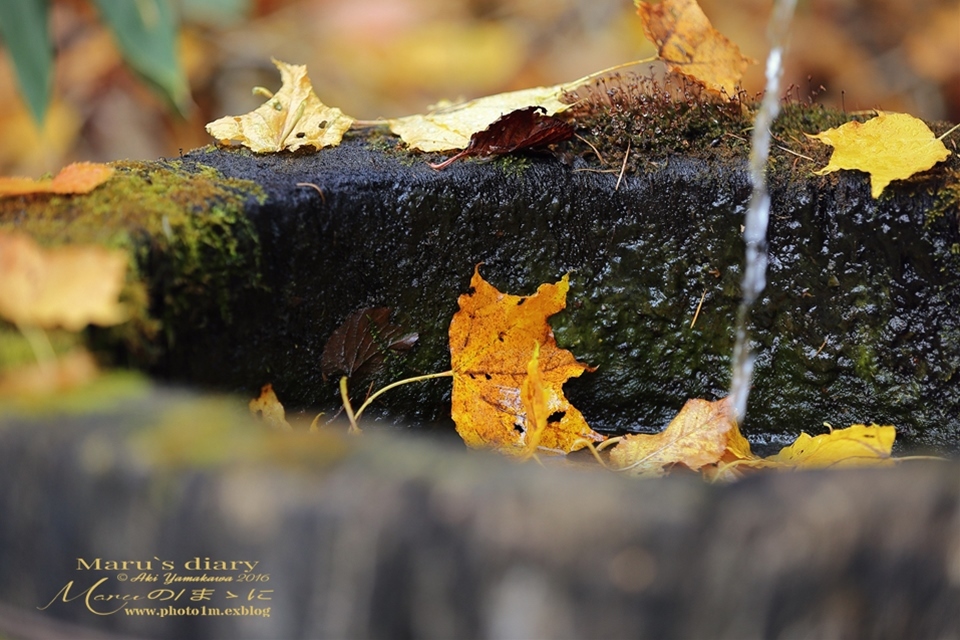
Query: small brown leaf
(520, 129)
(360, 344)
(268, 407)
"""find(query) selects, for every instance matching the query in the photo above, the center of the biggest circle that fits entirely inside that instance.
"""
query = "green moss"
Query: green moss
(512, 165)
(186, 233)
(103, 392)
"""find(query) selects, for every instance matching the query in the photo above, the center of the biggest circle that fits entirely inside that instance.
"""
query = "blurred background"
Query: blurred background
(390, 58)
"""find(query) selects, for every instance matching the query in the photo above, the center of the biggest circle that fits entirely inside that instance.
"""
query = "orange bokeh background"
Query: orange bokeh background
(389, 58)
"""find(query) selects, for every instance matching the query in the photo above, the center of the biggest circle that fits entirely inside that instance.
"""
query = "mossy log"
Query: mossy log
(389, 537)
(248, 263)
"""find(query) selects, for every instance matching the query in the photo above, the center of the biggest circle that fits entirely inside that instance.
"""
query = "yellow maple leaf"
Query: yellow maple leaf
(856, 446)
(76, 178)
(292, 118)
(700, 435)
(68, 286)
(891, 146)
(491, 338)
(689, 44)
(533, 395)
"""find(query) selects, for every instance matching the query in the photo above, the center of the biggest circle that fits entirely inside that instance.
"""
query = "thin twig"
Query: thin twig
(319, 190)
(696, 314)
(623, 167)
(590, 144)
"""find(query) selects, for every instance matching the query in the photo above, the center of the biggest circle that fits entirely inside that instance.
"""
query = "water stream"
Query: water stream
(758, 213)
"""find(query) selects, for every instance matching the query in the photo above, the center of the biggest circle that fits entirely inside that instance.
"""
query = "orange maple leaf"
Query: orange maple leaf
(891, 146)
(492, 338)
(76, 178)
(689, 44)
(702, 434)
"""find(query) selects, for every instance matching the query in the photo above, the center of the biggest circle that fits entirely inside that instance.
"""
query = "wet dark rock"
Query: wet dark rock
(858, 322)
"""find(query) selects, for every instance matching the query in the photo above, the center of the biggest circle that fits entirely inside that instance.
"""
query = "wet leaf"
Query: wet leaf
(68, 286)
(533, 395)
(292, 118)
(492, 338)
(856, 446)
(362, 341)
(891, 146)
(689, 44)
(521, 129)
(76, 178)
(700, 435)
(268, 407)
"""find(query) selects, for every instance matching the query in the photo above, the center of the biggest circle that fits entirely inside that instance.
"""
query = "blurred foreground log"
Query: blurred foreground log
(388, 537)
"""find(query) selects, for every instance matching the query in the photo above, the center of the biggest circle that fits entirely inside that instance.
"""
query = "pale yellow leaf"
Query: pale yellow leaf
(68, 286)
(293, 118)
(698, 436)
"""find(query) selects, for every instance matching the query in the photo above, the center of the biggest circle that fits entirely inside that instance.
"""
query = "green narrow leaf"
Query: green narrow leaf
(23, 26)
(146, 32)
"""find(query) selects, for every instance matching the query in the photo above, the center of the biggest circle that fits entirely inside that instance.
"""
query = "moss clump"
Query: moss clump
(191, 244)
(656, 119)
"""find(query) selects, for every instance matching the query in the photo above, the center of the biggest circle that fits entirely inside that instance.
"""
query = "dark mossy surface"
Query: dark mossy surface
(857, 324)
(251, 261)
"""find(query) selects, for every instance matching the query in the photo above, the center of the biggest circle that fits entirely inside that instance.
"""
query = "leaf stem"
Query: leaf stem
(345, 397)
(375, 395)
(39, 343)
(949, 131)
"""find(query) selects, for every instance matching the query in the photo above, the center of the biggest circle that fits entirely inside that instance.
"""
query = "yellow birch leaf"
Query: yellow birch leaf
(76, 178)
(292, 118)
(68, 286)
(892, 146)
(856, 446)
(689, 44)
(698, 436)
(268, 406)
(490, 341)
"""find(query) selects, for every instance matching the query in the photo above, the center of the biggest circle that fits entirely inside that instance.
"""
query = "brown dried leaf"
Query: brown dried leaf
(520, 129)
(361, 342)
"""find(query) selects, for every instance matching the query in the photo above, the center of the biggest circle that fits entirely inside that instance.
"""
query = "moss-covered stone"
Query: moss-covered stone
(249, 274)
(188, 236)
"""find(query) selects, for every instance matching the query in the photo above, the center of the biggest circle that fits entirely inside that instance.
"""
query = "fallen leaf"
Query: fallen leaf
(689, 44)
(698, 436)
(856, 446)
(268, 407)
(891, 146)
(68, 371)
(292, 118)
(491, 339)
(533, 395)
(451, 127)
(361, 342)
(76, 178)
(520, 129)
(67, 286)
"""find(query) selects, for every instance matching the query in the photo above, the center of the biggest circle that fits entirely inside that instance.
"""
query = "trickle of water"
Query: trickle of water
(758, 213)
